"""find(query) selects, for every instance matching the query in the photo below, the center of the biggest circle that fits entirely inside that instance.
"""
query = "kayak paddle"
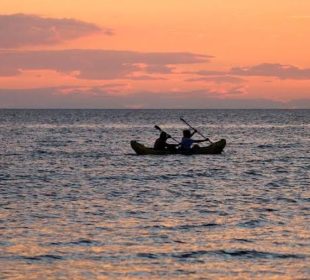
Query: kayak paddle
(196, 130)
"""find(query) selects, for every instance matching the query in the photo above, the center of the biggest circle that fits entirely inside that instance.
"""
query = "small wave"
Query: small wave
(80, 242)
(265, 146)
(251, 224)
(193, 254)
(185, 226)
(267, 210)
(196, 255)
(5, 177)
(188, 226)
(259, 254)
(273, 185)
(148, 255)
(43, 258)
(238, 254)
(243, 240)
(10, 154)
(253, 172)
(40, 152)
(289, 200)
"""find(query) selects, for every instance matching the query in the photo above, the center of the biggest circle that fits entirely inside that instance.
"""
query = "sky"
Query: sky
(154, 54)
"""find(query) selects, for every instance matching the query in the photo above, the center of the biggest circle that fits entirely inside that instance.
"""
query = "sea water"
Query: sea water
(77, 203)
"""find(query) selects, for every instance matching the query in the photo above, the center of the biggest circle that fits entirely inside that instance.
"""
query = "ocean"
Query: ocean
(77, 203)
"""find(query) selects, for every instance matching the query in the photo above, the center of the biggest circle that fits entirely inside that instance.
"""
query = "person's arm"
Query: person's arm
(199, 141)
(172, 145)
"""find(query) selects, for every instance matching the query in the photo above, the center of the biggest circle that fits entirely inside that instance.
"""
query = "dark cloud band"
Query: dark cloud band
(95, 64)
(20, 30)
(274, 70)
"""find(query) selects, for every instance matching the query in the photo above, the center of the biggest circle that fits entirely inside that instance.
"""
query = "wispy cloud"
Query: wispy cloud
(95, 64)
(276, 70)
(273, 70)
(20, 30)
(225, 79)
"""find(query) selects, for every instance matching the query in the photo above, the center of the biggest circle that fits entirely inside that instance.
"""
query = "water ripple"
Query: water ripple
(77, 204)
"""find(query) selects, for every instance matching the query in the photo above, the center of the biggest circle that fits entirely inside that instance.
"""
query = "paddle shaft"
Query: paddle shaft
(158, 128)
(195, 129)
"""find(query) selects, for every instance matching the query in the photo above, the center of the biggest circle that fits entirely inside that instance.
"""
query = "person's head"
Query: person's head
(187, 133)
(163, 135)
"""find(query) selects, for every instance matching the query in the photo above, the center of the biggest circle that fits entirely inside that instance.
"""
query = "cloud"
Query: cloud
(273, 70)
(102, 98)
(20, 30)
(160, 69)
(146, 78)
(209, 73)
(94, 64)
(218, 79)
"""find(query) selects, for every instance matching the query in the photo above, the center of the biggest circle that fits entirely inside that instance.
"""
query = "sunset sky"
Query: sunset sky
(155, 54)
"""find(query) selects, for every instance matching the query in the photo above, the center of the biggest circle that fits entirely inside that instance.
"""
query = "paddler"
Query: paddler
(161, 143)
(187, 141)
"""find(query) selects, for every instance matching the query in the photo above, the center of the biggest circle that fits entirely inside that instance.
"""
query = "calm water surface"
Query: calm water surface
(76, 203)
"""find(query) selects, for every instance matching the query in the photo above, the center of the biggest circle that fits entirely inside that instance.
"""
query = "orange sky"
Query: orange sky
(241, 49)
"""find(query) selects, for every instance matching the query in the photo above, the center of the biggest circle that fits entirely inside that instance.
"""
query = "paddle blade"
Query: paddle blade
(157, 127)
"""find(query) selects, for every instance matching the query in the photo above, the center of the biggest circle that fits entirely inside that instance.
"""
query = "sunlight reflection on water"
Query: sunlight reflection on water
(76, 203)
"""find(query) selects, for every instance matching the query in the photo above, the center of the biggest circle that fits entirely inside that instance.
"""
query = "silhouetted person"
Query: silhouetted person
(161, 143)
(187, 141)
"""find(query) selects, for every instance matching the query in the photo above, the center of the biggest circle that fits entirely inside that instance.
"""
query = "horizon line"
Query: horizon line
(53, 108)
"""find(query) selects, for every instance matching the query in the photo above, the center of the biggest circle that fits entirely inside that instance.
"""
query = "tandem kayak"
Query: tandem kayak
(214, 148)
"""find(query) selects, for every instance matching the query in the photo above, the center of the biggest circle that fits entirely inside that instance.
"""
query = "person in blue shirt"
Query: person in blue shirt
(187, 141)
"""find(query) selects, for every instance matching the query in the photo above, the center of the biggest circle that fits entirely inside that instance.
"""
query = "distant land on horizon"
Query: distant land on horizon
(32, 99)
